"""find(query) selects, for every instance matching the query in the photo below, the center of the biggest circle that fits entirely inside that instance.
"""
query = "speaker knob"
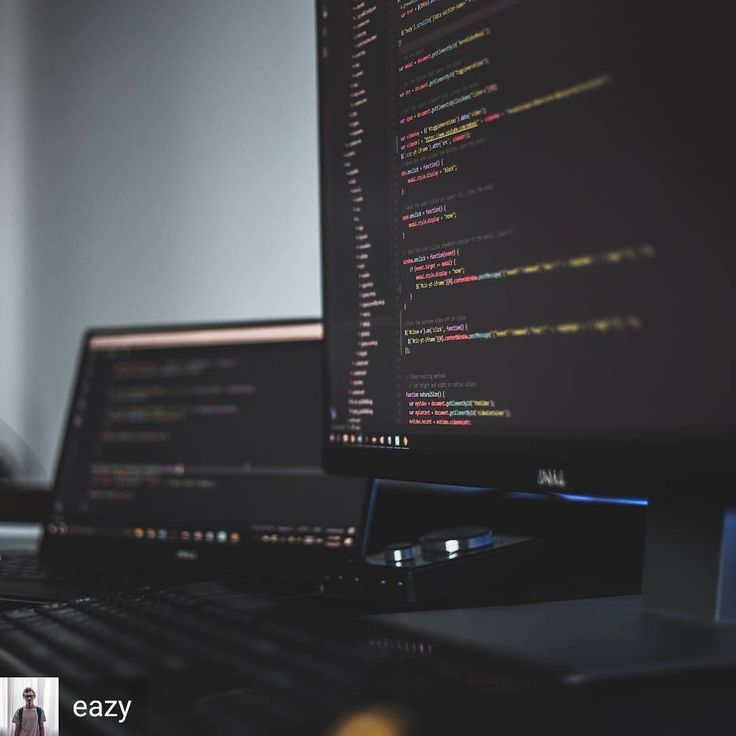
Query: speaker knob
(399, 552)
(456, 539)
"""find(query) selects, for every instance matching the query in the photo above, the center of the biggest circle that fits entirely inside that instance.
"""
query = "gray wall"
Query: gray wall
(12, 231)
(168, 173)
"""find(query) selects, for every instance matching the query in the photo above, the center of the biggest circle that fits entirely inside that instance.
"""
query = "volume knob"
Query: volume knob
(456, 539)
(398, 552)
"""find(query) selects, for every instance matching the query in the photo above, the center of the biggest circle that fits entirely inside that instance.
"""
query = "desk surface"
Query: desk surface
(582, 641)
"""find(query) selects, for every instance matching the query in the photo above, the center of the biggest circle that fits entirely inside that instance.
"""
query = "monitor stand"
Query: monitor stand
(682, 622)
(690, 561)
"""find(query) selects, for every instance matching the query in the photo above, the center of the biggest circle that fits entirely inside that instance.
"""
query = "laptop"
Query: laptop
(193, 452)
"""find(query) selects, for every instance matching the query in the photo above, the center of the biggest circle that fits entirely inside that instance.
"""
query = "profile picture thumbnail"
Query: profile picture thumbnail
(29, 706)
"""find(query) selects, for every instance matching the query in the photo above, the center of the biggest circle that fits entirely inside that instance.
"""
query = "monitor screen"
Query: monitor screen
(529, 281)
(204, 435)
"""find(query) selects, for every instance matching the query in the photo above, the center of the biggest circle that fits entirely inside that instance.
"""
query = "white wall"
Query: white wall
(12, 233)
(171, 174)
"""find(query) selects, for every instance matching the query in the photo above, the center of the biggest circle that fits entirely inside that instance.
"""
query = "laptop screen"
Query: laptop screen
(203, 435)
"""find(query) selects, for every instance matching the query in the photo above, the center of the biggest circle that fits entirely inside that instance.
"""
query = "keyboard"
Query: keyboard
(215, 658)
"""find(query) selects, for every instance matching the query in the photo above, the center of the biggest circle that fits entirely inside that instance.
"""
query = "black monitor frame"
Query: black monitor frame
(591, 468)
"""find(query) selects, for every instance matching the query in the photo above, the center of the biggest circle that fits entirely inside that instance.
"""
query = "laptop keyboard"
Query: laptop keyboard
(31, 569)
(24, 567)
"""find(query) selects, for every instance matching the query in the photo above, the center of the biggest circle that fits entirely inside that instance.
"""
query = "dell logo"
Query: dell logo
(188, 555)
(551, 477)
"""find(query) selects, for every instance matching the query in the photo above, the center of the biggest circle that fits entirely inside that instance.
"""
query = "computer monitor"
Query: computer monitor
(529, 282)
(203, 440)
